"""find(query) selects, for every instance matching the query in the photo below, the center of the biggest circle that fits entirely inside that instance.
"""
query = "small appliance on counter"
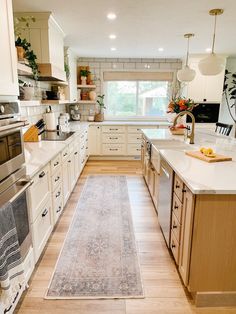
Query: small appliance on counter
(63, 122)
(74, 112)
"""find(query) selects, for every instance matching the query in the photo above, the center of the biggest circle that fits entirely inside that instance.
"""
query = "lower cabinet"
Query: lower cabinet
(42, 228)
(66, 179)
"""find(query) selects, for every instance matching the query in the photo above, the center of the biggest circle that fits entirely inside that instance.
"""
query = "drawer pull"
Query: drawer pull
(58, 194)
(45, 212)
(59, 209)
(76, 153)
(57, 178)
(138, 149)
(176, 207)
(82, 161)
(175, 227)
(113, 149)
(113, 138)
(87, 147)
(82, 147)
(56, 163)
(177, 186)
(173, 246)
(113, 129)
(184, 191)
(64, 155)
(42, 174)
(69, 161)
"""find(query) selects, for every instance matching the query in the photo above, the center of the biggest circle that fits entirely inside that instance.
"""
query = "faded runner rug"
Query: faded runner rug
(99, 257)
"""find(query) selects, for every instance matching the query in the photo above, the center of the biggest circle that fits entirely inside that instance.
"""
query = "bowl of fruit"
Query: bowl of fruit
(178, 129)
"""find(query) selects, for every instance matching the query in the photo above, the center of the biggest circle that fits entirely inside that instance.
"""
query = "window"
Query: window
(136, 98)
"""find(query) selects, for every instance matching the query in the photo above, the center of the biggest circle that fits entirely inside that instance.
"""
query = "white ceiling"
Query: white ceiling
(142, 26)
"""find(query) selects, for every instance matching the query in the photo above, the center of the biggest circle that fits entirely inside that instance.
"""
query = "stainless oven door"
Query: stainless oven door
(11, 151)
(16, 195)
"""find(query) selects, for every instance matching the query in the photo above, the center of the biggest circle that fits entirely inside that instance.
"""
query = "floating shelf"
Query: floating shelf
(86, 86)
(55, 102)
(24, 69)
(86, 102)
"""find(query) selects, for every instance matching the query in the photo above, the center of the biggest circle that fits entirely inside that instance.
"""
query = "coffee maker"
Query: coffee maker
(74, 112)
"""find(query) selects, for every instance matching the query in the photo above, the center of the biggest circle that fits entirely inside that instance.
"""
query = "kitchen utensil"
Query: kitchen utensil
(199, 155)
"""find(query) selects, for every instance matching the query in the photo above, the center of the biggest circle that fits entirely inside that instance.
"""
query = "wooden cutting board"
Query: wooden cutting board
(199, 155)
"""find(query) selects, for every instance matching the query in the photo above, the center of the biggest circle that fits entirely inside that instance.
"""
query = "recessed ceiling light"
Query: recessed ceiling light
(113, 49)
(112, 36)
(111, 16)
(208, 49)
(160, 49)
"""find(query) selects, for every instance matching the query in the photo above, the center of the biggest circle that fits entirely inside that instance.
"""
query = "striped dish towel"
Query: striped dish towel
(12, 279)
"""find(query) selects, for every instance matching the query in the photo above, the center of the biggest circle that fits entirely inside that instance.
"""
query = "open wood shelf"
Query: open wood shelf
(86, 102)
(24, 69)
(54, 102)
(86, 86)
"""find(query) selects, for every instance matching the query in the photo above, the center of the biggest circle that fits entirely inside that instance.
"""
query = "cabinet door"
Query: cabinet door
(8, 63)
(76, 163)
(66, 180)
(156, 188)
(94, 140)
(186, 234)
(71, 60)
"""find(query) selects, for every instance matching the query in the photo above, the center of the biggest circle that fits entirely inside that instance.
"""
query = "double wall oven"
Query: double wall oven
(13, 183)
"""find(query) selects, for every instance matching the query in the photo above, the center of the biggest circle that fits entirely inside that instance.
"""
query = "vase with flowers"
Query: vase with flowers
(176, 106)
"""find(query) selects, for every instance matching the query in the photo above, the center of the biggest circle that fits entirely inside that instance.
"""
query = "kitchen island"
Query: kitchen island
(196, 211)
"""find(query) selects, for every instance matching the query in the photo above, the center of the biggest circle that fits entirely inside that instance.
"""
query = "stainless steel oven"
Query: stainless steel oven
(13, 182)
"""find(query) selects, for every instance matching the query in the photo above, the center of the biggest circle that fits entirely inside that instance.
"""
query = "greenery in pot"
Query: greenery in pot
(84, 73)
(100, 101)
(28, 52)
(229, 92)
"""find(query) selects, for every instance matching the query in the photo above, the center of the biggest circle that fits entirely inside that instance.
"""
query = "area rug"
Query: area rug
(99, 257)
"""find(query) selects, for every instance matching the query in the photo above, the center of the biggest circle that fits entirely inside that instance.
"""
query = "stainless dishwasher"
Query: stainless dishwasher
(165, 199)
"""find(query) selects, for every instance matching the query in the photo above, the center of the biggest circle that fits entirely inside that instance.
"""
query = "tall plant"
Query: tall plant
(229, 93)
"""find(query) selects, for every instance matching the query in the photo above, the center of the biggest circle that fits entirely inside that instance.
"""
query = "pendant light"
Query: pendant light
(186, 74)
(213, 64)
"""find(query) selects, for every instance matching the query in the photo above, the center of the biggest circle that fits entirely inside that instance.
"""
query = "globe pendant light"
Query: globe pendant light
(213, 64)
(186, 74)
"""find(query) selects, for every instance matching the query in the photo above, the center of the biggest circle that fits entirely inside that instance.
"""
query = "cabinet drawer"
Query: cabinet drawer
(113, 149)
(113, 138)
(28, 264)
(42, 228)
(175, 227)
(113, 129)
(55, 163)
(57, 203)
(65, 153)
(135, 138)
(137, 128)
(83, 136)
(134, 149)
(174, 245)
(178, 187)
(56, 179)
(177, 207)
(38, 192)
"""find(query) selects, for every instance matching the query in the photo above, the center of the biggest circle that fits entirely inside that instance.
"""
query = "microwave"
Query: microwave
(206, 113)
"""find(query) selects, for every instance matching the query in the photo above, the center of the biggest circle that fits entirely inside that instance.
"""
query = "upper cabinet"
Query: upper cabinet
(8, 63)
(204, 88)
(71, 62)
(47, 41)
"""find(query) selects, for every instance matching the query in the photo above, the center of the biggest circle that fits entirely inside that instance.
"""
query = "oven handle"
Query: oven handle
(27, 184)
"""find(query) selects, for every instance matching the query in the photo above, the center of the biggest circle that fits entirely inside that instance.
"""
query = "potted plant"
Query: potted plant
(99, 117)
(83, 76)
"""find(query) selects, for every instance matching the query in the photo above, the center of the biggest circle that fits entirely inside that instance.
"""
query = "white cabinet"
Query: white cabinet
(71, 61)
(47, 41)
(66, 180)
(94, 140)
(204, 88)
(8, 62)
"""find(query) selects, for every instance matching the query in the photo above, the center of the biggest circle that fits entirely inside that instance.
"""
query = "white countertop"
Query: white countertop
(201, 177)
(107, 122)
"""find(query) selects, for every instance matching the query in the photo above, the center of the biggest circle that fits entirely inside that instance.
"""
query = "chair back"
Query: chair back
(223, 128)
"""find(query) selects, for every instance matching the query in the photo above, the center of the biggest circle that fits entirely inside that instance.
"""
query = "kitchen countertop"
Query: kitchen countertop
(201, 177)
(107, 122)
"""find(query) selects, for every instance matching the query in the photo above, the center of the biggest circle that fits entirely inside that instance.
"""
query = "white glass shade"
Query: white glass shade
(186, 74)
(211, 65)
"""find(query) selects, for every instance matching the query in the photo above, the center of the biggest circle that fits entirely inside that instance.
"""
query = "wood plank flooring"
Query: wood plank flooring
(163, 289)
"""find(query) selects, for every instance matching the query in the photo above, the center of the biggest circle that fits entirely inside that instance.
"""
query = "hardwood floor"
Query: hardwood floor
(164, 292)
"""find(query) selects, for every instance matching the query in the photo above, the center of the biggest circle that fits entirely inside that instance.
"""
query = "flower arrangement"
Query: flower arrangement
(180, 104)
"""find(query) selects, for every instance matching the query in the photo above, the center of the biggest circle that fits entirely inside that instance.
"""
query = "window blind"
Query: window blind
(137, 76)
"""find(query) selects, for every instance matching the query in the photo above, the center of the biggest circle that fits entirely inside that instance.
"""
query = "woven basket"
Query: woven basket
(99, 117)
